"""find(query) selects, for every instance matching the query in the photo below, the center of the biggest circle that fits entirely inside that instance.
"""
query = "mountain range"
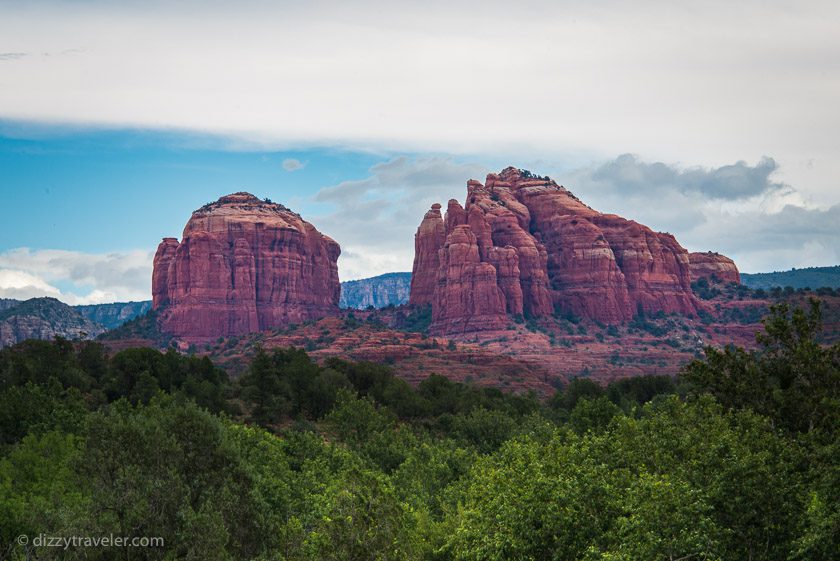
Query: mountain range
(810, 277)
(47, 318)
(390, 289)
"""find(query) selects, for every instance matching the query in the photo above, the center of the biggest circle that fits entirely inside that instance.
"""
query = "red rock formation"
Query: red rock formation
(713, 266)
(467, 296)
(428, 240)
(550, 252)
(455, 215)
(508, 276)
(164, 257)
(243, 265)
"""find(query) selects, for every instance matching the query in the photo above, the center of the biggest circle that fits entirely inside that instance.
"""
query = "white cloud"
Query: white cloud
(739, 209)
(706, 82)
(21, 285)
(627, 173)
(84, 278)
(767, 241)
(291, 164)
(363, 261)
(374, 219)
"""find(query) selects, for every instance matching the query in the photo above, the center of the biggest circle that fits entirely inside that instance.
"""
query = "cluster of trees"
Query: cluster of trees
(737, 459)
(710, 290)
(44, 382)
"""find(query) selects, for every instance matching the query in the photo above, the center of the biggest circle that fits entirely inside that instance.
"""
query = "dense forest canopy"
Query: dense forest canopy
(736, 459)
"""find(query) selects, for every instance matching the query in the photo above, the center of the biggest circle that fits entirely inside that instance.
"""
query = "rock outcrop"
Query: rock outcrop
(428, 240)
(713, 266)
(390, 289)
(114, 314)
(524, 245)
(467, 295)
(243, 265)
(44, 318)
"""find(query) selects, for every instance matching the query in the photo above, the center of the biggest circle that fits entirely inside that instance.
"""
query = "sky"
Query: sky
(715, 121)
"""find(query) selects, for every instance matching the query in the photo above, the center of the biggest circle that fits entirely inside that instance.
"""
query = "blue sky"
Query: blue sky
(121, 190)
(86, 206)
(716, 121)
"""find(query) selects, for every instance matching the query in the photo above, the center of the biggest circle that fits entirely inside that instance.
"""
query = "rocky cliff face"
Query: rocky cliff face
(243, 265)
(713, 266)
(524, 245)
(114, 314)
(44, 318)
(429, 238)
(467, 296)
(378, 292)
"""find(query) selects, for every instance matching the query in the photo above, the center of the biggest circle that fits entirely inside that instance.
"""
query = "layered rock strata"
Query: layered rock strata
(713, 266)
(523, 245)
(243, 265)
(429, 239)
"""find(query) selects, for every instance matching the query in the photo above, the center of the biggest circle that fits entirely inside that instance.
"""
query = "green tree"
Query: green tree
(736, 462)
(264, 391)
(792, 378)
(660, 518)
(356, 420)
(565, 399)
(820, 535)
(484, 429)
(168, 470)
(532, 501)
(35, 409)
(38, 489)
(593, 414)
(360, 519)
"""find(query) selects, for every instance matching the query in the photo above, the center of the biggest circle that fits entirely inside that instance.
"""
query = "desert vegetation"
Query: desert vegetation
(737, 458)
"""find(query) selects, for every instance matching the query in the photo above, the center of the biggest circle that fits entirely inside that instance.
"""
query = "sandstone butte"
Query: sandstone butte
(524, 246)
(714, 267)
(243, 265)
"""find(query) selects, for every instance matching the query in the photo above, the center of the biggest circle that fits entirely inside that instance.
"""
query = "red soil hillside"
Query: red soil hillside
(536, 354)
(532, 355)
